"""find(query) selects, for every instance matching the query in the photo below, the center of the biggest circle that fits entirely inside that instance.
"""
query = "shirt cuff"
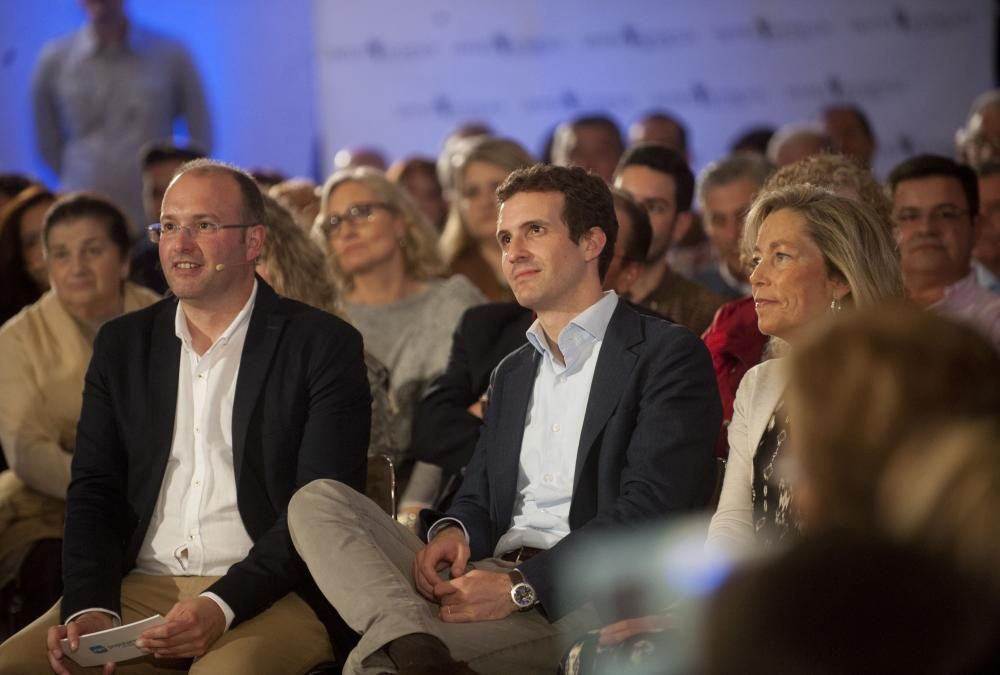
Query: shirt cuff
(226, 609)
(442, 523)
(115, 618)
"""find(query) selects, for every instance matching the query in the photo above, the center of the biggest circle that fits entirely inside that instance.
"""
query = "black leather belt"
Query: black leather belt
(521, 554)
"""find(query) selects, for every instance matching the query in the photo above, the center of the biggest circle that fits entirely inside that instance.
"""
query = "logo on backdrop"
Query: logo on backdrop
(505, 44)
(837, 87)
(630, 36)
(700, 93)
(901, 19)
(569, 101)
(448, 107)
(771, 29)
(378, 50)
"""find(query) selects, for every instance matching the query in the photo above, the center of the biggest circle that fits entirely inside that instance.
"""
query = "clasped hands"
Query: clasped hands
(192, 627)
(474, 595)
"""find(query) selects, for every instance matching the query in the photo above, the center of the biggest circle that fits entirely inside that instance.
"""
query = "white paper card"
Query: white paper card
(111, 645)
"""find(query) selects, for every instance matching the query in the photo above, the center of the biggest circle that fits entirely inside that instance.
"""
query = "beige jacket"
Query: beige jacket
(45, 357)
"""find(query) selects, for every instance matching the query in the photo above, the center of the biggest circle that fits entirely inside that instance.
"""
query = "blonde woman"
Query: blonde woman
(383, 254)
(813, 252)
(468, 243)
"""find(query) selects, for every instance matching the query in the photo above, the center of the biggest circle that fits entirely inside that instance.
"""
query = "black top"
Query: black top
(774, 519)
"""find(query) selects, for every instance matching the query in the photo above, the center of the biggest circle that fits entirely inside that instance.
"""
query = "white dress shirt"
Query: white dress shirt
(552, 430)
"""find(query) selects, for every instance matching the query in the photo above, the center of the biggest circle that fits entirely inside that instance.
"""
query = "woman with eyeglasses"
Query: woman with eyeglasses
(46, 348)
(469, 240)
(383, 255)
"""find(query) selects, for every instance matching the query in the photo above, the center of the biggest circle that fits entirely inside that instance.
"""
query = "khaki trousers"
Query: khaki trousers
(285, 638)
(362, 561)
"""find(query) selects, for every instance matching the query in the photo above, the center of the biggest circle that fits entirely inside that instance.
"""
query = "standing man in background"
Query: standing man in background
(102, 93)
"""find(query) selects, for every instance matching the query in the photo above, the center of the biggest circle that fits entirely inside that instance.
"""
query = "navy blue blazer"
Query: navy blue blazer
(646, 450)
(302, 411)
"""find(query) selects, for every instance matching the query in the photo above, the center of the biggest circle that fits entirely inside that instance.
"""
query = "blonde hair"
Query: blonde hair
(943, 490)
(873, 380)
(856, 244)
(297, 267)
(502, 152)
(836, 173)
(419, 242)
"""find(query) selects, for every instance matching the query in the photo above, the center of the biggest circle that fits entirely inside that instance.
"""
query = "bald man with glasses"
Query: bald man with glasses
(201, 417)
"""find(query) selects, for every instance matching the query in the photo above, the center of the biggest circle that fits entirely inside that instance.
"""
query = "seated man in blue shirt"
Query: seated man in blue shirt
(605, 419)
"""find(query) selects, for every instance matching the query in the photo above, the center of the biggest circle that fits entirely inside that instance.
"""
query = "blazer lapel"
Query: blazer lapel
(770, 388)
(518, 386)
(262, 339)
(614, 366)
(164, 364)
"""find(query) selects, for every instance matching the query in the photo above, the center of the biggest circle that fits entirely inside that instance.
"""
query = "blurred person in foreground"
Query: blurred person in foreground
(874, 387)
(576, 443)
(469, 243)
(935, 211)
(46, 349)
(383, 254)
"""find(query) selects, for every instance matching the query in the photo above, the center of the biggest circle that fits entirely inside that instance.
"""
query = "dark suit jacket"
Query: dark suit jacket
(646, 449)
(444, 431)
(302, 411)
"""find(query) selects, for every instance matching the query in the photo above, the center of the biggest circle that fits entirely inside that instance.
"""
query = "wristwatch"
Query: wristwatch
(522, 594)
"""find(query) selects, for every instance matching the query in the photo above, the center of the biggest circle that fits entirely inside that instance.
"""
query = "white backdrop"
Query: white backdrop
(399, 75)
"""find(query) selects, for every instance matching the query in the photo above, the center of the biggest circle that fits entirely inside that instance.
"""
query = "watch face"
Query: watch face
(523, 595)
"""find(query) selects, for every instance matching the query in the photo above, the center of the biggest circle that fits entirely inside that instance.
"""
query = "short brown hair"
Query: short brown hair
(587, 201)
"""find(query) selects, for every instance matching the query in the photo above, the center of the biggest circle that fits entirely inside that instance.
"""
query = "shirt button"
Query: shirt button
(197, 430)
(555, 427)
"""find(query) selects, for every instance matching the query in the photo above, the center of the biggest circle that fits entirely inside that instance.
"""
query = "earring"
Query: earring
(835, 306)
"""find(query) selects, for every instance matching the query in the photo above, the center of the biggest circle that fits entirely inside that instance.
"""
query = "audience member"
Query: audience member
(349, 158)
(469, 243)
(383, 253)
(591, 141)
(754, 139)
(813, 253)
(640, 453)
(155, 522)
(102, 93)
(841, 604)
(733, 339)
(159, 162)
(860, 390)
(295, 267)
(11, 185)
(725, 192)
(418, 176)
(661, 128)
(23, 274)
(850, 133)
(793, 142)
(46, 349)
(452, 142)
(446, 425)
(986, 250)
(936, 211)
(978, 141)
(301, 197)
(660, 180)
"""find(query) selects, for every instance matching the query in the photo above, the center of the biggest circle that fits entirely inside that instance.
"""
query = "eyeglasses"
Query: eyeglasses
(945, 214)
(364, 212)
(158, 231)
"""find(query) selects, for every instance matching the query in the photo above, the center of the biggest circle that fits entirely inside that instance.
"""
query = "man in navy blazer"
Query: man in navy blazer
(605, 420)
(202, 415)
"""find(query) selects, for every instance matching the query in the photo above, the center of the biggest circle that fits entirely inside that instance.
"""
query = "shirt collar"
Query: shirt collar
(90, 45)
(184, 334)
(962, 287)
(588, 326)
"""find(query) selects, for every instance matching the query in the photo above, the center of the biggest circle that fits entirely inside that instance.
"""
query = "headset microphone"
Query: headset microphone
(220, 267)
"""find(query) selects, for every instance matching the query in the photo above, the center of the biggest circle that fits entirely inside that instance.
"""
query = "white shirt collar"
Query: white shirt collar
(182, 331)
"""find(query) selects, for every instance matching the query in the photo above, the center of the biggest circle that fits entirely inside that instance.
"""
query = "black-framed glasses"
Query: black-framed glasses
(363, 212)
(158, 231)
